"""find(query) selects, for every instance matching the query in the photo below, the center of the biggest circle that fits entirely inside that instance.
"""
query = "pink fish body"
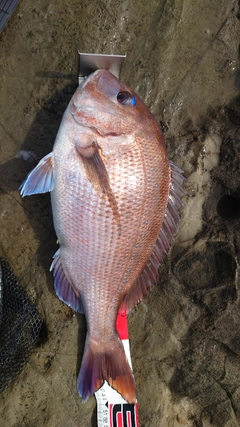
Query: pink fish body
(114, 197)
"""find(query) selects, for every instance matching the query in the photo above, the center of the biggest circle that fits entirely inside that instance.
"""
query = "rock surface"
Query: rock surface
(182, 59)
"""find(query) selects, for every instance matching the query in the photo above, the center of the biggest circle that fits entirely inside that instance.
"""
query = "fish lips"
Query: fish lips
(104, 83)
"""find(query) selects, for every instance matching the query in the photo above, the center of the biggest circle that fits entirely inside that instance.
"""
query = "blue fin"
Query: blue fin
(40, 179)
(63, 288)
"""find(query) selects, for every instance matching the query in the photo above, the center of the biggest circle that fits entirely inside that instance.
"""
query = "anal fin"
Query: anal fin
(63, 288)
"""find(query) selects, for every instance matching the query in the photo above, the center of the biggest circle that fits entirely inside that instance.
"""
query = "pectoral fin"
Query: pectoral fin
(97, 175)
(40, 179)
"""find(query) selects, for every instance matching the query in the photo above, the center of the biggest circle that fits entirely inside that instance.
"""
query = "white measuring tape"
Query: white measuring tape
(112, 409)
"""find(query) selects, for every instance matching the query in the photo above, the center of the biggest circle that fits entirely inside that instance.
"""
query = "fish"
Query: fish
(115, 198)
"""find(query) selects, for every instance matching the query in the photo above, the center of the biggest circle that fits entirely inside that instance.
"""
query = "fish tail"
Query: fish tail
(110, 364)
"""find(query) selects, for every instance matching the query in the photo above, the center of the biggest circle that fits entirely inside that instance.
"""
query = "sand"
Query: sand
(182, 59)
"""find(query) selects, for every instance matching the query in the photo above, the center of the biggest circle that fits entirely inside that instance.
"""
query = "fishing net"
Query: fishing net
(20, 325)
(6, 9)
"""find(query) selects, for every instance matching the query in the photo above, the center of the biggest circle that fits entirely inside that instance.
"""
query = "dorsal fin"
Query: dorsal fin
(148, 276)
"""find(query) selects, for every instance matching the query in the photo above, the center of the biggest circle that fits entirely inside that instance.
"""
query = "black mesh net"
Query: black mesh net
(20, 325)
(6, 9)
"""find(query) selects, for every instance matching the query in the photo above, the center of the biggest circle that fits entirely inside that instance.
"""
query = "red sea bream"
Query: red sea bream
(115, 197)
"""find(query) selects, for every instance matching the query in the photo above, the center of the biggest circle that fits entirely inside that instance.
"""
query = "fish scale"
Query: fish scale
(114, 197)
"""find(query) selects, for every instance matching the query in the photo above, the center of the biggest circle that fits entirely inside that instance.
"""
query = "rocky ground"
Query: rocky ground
(182, 59)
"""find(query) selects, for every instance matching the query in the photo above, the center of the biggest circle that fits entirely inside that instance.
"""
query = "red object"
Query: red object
(123, 415)
(121, 324)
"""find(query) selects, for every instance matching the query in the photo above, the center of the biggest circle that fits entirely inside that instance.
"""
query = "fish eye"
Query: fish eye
(124, 98)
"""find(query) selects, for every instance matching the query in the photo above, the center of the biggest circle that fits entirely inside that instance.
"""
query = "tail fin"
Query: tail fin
(110, 364)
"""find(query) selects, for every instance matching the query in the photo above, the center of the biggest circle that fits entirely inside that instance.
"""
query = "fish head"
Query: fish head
(109, 107)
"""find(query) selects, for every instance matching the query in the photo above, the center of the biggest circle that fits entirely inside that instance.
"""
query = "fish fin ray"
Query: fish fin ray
(111, 365)
(40, 179)
(63, 288)
(162, 245)
(97, 175)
